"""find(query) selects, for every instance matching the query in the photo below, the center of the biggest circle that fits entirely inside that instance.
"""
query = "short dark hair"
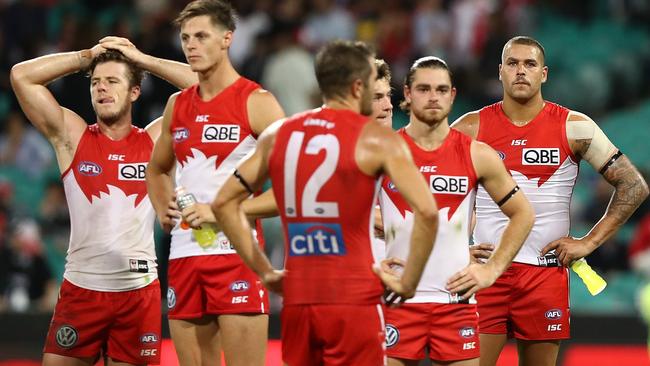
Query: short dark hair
(526, 41)
(221, 13)
(383, 70)
(339, 63)
(427, 62)
(135, 74)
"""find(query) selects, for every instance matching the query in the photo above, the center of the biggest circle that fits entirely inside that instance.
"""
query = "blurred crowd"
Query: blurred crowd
(274, 44)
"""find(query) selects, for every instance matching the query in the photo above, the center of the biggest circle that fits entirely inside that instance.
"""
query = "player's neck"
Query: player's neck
(521, 113)
(343, 103)
(217, 78)
(428, 137)
(117, 130)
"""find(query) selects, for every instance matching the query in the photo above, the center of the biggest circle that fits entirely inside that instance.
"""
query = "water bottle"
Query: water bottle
(595, 284)
(205, 235)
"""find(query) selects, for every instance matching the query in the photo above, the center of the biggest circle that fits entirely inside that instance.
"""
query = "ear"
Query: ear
(544, 74)
(407, 94)
(356, 89)
(453, 95)
(134, 93)
(500, 68)
(227, 39)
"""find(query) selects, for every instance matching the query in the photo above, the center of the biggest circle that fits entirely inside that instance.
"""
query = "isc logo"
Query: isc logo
(149, 338)
(181, 134)
(239, 299)
(519, 142)
(134, 171)
(467, 332)
(540, 156)
(554, 327)
(220, 133)
(315, 239)
(116, 157)
(447, 184)
(553, 314)
(428, 168)
(239, 286)
(469, 345)
(148, 352)
(88, 168)
(202, 118)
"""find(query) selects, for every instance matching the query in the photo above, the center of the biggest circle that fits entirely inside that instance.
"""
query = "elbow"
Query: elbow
(218, 206)
(644, 190)
(17, 74)
(430, 215)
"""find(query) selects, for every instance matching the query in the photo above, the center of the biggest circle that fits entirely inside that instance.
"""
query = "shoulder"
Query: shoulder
(376, 137)
(468, 124)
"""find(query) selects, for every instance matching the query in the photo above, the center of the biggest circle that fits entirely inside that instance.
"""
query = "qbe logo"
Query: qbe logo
(448, 184)
(220, 133)
(467, 332)
(131, 171)
(392, 335)
(315, 239)
(540, 156)
(239, 286)
(553, 314)
(181, 134)
(89, 169)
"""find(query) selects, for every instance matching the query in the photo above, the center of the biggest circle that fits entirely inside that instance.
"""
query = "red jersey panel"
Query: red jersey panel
(540, 160)
(111, 241)
(210, 139)
(451, 177)
(326, 206)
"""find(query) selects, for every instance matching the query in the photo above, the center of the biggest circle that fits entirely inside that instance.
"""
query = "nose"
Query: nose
(521, 70)
(386, 104)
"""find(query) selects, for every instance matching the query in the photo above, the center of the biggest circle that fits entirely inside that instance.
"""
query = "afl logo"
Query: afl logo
(392, 335)
(171, 298)
(239, 286)
(553, 314)
(66, 336)
(502, 155)
(467, 332)
(89, 169)
(391, 186)
(181, 134)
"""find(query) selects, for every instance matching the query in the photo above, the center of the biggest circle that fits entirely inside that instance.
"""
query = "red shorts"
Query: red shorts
(450, 331)
(125, 324)
(213, 284)
(527, 302)
(333, 334)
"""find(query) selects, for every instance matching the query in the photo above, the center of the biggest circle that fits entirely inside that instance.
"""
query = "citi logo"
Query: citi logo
(88, 168)
(181, 134)
(553, 314)
(239, 286)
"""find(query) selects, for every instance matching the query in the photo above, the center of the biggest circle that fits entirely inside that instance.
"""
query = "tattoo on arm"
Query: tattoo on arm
(631, 189)
(581, 146)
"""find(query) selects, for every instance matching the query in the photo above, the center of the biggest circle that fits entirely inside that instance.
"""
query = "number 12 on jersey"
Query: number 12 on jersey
(310, 207)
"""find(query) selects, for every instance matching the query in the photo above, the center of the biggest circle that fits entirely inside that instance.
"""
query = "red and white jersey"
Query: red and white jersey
(210, 139)
(541, 162)
(326, 205)
(451, 177)
(111, 239)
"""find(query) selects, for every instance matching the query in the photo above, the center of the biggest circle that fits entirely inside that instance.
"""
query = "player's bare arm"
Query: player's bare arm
(176, 73)
(159, 169)
(494, 177)
(468, 124)
(227, 207)
(381, 150)
(61, 126)
(588, 142)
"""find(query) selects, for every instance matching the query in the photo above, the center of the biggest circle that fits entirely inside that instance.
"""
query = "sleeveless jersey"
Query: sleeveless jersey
(326, 205)
(210, 139)
(451, 177)
(541, 162)
(111, 239)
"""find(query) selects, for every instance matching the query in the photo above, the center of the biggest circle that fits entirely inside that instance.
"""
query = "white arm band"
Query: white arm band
(600, 149)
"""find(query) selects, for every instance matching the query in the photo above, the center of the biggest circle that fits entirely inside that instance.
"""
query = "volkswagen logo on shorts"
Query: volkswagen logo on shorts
(171, 298)
(66, 336)
(553, 314)
(392, 335)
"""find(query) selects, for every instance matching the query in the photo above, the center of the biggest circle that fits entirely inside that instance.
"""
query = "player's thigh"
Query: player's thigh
(401, 362)
(491, 346)
(51, 359)
(538, 353)
(244, 338)
(470, 362)
(197, 341)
